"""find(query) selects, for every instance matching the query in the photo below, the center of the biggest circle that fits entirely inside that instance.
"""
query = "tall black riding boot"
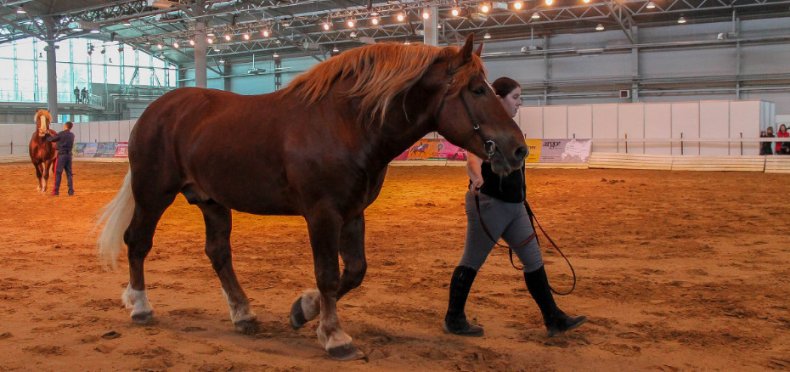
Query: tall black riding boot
(455, 320)
(555, 320)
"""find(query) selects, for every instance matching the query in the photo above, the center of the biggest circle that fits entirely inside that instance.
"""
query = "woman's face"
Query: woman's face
(512, 101)
(782, 128)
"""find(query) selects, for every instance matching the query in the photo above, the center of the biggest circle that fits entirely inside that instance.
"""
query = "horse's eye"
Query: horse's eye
(479, 91)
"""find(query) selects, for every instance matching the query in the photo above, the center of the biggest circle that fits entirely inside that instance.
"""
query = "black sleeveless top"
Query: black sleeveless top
(511, 188)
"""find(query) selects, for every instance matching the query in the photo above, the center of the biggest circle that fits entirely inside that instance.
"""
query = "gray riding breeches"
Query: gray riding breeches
(509, 221)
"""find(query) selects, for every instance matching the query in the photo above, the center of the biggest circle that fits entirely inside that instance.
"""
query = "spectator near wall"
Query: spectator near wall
(783, 147)
(765, 147)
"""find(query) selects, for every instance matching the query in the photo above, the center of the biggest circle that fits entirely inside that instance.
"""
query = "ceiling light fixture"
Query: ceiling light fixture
(682, 20)
(426, 14)
(20, 10)
(246, 36)
(599, 27)
(210, 40)
(401, 17)
(351, 23)
(221, 60)
(127, 23)
(650, 5)
(455, 12)
(518, 5)
(159, 46)
(191, 42)
(175, 44)
(265, 32)
(335, 50)
(485, 8)
(326, 26)
(549, 2)
(228, 37)
(535, 15)
(95, 31)
(374, 21)
(586, 1)
(486, 36)
(275, 55)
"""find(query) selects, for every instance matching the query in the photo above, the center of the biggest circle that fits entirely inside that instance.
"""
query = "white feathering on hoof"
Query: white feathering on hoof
(116, 217)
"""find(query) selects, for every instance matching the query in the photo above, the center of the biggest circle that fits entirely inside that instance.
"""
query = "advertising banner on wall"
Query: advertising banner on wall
(122, 150)
(534, 146)
(433, 149)
(565, 150)
(105, 150)
(90, 149)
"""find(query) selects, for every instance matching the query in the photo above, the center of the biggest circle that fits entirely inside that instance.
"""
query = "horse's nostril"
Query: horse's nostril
(521, 152)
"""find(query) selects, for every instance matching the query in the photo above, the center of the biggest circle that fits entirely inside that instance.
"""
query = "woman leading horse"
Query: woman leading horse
(319, 148)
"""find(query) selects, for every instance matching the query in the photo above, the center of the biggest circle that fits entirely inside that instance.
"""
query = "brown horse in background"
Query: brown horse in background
(319, 148)
(43, 153)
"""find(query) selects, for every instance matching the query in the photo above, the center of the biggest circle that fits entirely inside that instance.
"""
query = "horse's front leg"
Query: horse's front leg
(352, 250)
(40, 187)
(324, 226)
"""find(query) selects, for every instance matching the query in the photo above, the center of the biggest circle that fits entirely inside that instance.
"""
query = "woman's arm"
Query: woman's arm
(474, 170)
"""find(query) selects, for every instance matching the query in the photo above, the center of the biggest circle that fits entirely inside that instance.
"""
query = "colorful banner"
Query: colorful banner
(534, 146)
(90, 149)
(433, 149)
(122, 150)
(565, 150)
(105, 150)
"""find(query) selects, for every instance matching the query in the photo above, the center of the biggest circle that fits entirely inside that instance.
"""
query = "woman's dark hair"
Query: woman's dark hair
(504, 85)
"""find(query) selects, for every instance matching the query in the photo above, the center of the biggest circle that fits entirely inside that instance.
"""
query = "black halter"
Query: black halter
(489, 146)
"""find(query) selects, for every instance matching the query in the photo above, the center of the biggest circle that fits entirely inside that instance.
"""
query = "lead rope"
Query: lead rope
(532, 220)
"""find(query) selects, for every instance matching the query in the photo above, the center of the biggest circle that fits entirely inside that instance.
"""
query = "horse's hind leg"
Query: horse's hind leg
(218, 227)
(352, 250)
(139, 238)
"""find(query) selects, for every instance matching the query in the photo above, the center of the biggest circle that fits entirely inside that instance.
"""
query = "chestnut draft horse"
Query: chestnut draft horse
(318, 148)
(43, 153)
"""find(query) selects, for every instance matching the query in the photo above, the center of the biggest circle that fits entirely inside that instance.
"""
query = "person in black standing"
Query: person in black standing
(84, 95)
(765, 147)
(501, 206)
(76, 94)
(65, 140)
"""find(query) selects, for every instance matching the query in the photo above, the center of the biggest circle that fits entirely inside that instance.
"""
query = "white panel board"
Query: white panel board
(658, 124)
(104, 131)
(555, 122)
(604, 126)
(745, 120)
(714, 122)
(93, 132)
(531, 121)
(685, 124)
(124, 135)
(631, 121)
(580, 121)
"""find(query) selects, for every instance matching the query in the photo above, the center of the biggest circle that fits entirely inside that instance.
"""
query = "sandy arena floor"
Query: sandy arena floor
(677, 271)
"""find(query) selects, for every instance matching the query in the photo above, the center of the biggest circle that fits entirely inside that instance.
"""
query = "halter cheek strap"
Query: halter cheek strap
(489, 146)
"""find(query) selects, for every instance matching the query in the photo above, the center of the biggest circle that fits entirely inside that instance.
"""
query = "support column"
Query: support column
(200, 54)
(226, 67)
(635, 71)
(429, 25)
(52, 80)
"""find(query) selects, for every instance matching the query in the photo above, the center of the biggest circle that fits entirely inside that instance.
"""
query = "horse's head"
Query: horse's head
(42, 118)
(471, 115)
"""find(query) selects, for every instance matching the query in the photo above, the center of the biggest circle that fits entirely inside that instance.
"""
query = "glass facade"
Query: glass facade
(82, 63)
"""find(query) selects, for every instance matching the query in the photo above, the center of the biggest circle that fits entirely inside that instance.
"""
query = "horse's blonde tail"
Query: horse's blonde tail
(116, 217)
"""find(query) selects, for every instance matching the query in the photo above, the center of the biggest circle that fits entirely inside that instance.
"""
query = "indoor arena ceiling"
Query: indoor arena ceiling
(314, 27)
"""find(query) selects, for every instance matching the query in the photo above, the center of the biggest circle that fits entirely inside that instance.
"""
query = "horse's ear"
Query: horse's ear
(466, 51)
(479, 50)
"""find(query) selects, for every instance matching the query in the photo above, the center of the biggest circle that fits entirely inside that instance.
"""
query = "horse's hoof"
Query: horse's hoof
(143, 318)
(345, 352)
(298, 319)
(247, 327)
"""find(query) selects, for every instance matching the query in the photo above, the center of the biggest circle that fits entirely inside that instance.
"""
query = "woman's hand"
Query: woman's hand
(473, 169)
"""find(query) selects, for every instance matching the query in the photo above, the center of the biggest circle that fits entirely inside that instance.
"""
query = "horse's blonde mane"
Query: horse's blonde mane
(42, 112)
(47, 115)
(379, 72)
